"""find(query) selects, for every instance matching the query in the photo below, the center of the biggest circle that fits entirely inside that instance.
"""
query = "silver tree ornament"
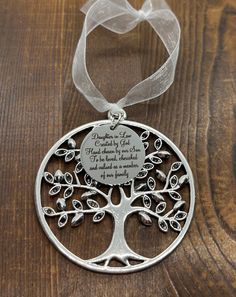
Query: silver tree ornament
(155, 196)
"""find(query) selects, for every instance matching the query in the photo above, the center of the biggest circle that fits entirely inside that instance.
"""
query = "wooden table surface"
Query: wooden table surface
(39, 104)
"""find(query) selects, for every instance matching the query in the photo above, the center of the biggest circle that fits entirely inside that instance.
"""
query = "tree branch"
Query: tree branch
(68, 212)
(84, 187)
(122, 193)
(167, 179)
(78, 185)
(151, 155)
(152, 213)
(77, 178)
(106, 196)
(132, 188)
(136, 195)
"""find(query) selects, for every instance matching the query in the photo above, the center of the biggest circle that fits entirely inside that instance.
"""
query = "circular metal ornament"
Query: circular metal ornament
(164, 185)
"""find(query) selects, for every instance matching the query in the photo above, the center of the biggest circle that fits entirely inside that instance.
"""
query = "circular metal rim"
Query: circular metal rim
(90, 266)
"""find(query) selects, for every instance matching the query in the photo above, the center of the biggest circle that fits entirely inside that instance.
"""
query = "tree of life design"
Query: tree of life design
(151, 186)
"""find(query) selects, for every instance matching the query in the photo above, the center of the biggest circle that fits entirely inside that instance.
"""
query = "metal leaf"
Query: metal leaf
(48, 177)
(61, 203)
(178, 205)
(148, 166)
(88, 194)
(151, 183)
(55, 190)
(145, 135)
(180, 215)
(146, 145)
(98, 217)
(155, 160)
(68, 192)
(145, 218)
(175, 225)
(158, 144)
(77, 204)
(157, 197)
(161, 207)
(48, 211)
(77, 219)
(163, 154)
(69, 156)
(78, 167)
(68, 178)
(175, 195)
(77, 158)
(176, 166)
(94, 183)
(183, 179)
(71, 143)
(87, 179)
(60, 152)
(139, 187)
(147, 201)
(174, 181)
(161, 175)
(127, 184)
(92, 203)
(62, 220)
(58, 176)
(162, 225)
(142, 174)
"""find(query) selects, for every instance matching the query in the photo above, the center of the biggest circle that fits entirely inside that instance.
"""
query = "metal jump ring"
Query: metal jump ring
(116, 118)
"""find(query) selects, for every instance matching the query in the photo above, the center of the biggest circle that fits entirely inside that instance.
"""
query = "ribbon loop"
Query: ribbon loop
(120, 17)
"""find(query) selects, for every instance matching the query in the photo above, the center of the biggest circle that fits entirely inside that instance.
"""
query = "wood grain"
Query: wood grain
(39, 104)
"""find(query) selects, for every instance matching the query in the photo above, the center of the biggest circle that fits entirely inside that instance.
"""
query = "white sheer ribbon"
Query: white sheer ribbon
(120, 17)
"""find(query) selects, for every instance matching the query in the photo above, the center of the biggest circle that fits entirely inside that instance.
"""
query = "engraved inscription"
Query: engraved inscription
(112, 156)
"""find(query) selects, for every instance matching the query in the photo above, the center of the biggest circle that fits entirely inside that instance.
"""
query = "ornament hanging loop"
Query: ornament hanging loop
(116, 117)
(120, 17)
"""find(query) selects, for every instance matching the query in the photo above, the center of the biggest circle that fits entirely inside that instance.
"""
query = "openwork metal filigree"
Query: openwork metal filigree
(158, 191)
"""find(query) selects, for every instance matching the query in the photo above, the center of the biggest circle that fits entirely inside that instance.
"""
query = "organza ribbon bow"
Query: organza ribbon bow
(120, 17)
